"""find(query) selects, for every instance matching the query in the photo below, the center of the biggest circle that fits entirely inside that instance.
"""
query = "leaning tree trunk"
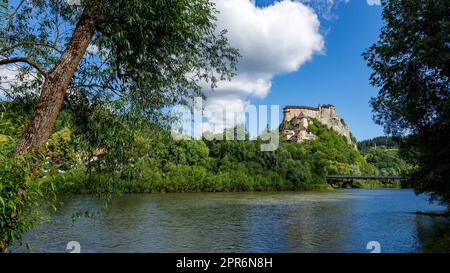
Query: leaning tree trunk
(57, 82)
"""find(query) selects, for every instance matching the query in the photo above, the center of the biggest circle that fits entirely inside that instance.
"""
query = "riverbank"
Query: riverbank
(81, 182)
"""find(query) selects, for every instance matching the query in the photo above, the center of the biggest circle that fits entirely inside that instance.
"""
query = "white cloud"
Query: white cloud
(326, 8)
(374, 2)
(224, 113)
(12, 76)
(92, 49)
(8, 74)
(272, 40)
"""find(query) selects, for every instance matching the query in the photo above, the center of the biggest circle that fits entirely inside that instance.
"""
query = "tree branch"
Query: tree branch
(31, 43)
(8, 25)
(24, 60)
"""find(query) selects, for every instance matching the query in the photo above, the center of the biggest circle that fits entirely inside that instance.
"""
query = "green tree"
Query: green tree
(21, 198)
(148, 54)
(387, 161)
(411, 64)
(385, 141)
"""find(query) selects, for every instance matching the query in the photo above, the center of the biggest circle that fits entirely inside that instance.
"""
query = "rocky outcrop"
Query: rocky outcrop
(298, 118)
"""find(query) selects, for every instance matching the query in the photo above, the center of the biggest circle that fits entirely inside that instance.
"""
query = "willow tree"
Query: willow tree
(148, 53)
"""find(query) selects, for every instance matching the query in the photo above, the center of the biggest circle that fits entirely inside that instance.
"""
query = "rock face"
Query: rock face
(297, 119)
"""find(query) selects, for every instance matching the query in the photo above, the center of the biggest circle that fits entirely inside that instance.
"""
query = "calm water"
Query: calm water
(336, 221)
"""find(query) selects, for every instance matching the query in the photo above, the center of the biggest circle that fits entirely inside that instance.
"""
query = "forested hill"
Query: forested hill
(385, 141)
(383, 153)
(109, 155)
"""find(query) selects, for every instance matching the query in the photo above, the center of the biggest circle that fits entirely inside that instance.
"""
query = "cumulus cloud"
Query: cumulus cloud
(272, 40)
(8, 75)
(12, 76)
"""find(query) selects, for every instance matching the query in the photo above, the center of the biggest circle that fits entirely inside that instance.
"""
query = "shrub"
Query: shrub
(21, 197)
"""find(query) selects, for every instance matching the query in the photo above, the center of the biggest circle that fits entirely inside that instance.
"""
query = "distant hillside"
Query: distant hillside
(385, 141)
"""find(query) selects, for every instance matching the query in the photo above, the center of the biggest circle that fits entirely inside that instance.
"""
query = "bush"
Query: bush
(21, 197)
(61, 150)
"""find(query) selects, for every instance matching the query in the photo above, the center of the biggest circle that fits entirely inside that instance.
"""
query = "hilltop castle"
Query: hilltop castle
(297, 119)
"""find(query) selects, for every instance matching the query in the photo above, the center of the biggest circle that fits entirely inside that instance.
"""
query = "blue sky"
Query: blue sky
(299, 52)
(338, 76)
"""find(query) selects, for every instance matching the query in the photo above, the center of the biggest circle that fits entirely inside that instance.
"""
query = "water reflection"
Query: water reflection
(337, 221)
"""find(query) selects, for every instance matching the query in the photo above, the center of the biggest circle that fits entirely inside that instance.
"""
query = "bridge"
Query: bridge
(348, 179)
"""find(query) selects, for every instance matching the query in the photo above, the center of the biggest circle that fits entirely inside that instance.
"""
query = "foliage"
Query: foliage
(148, 54)
(385, 141)
(61, 149)
(160, 164)
(333, 150)
(107, 153)
(411, 69)
(14, 115)
(387, 161)
(21, 197)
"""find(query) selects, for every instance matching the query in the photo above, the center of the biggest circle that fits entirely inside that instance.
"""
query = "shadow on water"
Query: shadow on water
(430, 231)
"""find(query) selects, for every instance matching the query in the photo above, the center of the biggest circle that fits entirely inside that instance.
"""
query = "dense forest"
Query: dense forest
(385, 141)
(384, 154)
(150, 160)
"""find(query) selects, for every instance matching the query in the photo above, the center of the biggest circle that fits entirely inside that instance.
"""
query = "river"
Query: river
(323, 221)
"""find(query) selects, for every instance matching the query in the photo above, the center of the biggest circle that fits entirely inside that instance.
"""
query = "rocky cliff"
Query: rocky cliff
(297, 119)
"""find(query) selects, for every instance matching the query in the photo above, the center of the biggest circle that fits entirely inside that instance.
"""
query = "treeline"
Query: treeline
(385, 141)
(106, 155)
(384, 154)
